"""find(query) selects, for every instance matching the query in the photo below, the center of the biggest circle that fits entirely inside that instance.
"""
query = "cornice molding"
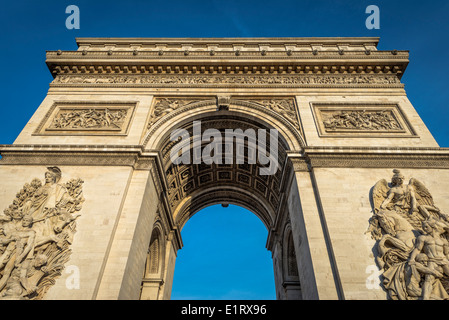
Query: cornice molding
(227, 55)
(203, 64)
(370, 157)
(136, 41)
(308, 158)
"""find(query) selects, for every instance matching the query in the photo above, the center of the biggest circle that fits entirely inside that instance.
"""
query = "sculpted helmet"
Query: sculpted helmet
(56, 173)
(397, 175)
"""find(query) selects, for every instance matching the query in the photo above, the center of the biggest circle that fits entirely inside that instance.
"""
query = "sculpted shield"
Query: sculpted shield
(412, 240)
(36, 232)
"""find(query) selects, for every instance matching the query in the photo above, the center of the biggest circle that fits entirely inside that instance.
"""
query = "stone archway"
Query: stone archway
(344, 122)
(194, 186)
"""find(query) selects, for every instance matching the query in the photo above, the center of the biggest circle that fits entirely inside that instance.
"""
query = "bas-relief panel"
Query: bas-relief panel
(361, 120)
(36, 233)
(87, 118)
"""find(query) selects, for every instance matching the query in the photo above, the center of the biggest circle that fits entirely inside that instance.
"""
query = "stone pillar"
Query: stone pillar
(277, 265)
(151, 289)
(293, 290)
(123, 273)
(170, 261)
(315, 265)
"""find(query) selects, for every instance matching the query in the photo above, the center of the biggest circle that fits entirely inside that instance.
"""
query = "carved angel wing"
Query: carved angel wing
(379, 194)
(422, 194)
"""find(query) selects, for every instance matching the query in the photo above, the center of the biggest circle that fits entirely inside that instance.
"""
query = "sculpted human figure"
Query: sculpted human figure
(31, 272)
(14, 289)
(21, 247)
(50, 195)
(8, 243)
(36, 231)
(26, 240)
(436, 249)
(400, 197)
(399, 234)
(412, 246)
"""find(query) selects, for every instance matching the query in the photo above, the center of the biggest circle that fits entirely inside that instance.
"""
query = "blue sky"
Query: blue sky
(29, 28)
(243, 270)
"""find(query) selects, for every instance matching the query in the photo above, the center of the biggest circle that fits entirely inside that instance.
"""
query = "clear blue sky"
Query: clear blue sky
(29, 28)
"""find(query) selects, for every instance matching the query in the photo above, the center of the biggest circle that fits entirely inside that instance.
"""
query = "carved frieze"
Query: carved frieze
(89, 119)
(164, 106)
(363, 120)
(78, 118)
(36, 232)
(283, 107)
(411, 236)
(263, 80)
(360, 120)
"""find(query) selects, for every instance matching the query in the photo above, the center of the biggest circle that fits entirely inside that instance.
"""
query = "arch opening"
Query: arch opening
(234, 176)
(233, 179)
(224, 257)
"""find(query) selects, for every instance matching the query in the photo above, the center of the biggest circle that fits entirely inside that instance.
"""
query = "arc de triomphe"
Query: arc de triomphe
(94, 205)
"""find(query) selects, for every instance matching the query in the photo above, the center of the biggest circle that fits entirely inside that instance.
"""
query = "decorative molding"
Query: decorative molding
(225, 195)
(68, 159)
(318, 157)
(230, 80)
(249, 56)
(300, 164)
(386, 160)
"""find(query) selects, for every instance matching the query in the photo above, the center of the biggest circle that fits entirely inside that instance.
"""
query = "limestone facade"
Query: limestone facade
(344, 123)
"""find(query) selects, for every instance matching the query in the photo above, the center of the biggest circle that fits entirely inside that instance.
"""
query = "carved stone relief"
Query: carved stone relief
(411, 236)
(36, 232)
(72, 118)
(229, 80)
(89, 119)
(284, 107)
(360, 120)
(166, 106)
(383, 120)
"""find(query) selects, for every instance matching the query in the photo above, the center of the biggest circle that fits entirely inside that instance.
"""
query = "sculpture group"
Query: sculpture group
(36, 232)
(362, 120)
(412, 245)
(89, 119)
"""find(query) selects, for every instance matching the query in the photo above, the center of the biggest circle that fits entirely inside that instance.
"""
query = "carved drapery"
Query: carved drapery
(411, 236)
(37, 230)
